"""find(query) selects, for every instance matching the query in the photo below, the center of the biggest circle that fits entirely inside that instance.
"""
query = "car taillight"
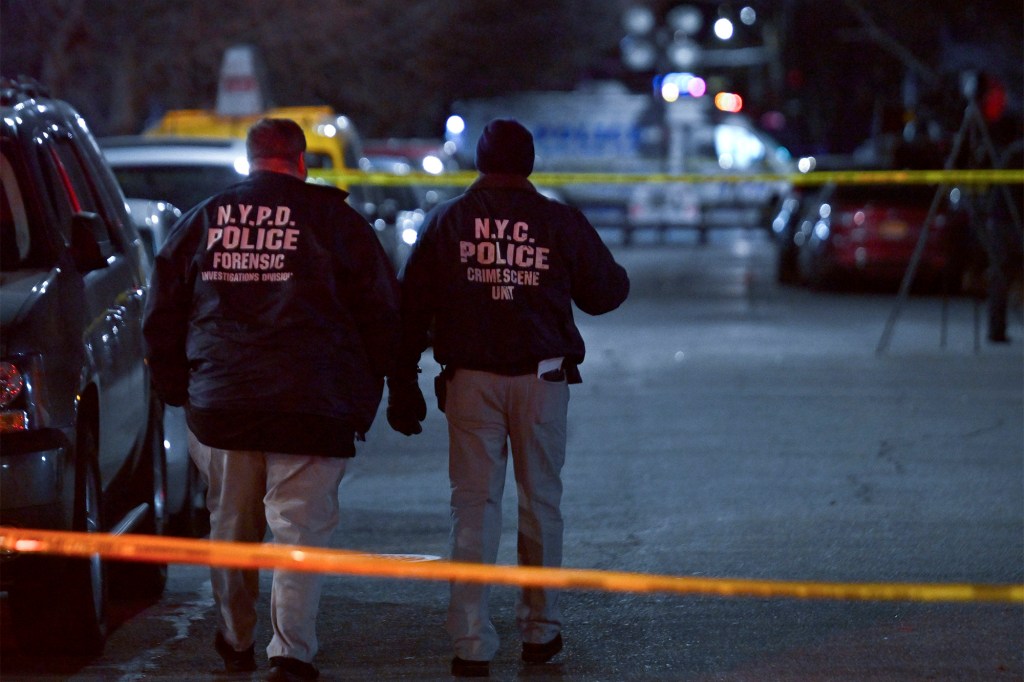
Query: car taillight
(12, 388)
(12, 383)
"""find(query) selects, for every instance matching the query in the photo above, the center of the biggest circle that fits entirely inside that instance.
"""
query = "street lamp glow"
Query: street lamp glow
(683, 53)
(639, 54)
(455, 125)
(638, 20)
(433, 165)
(686, 18)
(669, 91)
(723, 29)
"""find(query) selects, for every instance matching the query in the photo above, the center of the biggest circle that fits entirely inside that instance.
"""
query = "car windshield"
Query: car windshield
(184, 186)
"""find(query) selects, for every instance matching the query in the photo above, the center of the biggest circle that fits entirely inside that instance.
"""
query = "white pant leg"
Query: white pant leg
(537, 430)
(478, 455)
(236, 481)
(302, 509)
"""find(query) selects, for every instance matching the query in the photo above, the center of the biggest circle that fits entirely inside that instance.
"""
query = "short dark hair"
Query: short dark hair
(275, 138)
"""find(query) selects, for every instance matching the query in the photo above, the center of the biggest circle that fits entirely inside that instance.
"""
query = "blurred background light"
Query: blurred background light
(638, 20)
(729, 102)
(433, 165)
(455, 125)
(723, 28)
(686, 19)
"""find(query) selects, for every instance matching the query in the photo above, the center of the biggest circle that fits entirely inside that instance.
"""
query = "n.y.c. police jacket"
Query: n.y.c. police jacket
(495, 274)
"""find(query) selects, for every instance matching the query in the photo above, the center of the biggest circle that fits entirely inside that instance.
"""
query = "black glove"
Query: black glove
(406, 407)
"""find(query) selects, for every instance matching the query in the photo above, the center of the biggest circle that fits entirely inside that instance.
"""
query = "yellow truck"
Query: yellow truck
(333, 152)
(332, 141)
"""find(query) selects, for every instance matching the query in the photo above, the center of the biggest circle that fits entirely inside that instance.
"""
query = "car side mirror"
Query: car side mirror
(85, 248)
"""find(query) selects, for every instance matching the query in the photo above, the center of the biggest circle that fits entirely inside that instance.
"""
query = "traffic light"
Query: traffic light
(992, 97)
(729, 102)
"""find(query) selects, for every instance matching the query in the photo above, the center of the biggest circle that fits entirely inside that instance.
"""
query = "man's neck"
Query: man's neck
(276, 166)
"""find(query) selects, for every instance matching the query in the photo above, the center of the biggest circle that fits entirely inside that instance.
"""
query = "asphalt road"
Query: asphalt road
(726, 427)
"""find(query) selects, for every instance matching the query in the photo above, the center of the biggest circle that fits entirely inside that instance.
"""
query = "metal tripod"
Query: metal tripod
(974, 131)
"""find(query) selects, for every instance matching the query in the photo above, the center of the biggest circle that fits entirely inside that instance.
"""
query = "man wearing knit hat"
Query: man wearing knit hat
(494, 275)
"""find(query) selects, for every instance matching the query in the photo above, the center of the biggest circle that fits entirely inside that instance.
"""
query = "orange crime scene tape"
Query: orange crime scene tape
(338, 561)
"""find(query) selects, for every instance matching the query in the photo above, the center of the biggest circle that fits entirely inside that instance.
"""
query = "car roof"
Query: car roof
(389, 163)
(27, 109)
(142, 150)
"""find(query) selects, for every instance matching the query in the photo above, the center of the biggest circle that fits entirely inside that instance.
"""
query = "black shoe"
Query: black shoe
(235, 661)
(463, 668)
(286, 669)
(542, 653)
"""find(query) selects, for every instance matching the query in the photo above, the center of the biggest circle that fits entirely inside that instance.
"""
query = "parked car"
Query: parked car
(867, 234)
(792, 207)
(81, 433)
(783, 229)
(396, 210)
(186, 490)
(179, 171)
(183, 171)
(154, 220)
(421, 155)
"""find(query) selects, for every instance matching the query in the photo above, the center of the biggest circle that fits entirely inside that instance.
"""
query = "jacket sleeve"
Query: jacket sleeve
(599, 284)
(168, 309)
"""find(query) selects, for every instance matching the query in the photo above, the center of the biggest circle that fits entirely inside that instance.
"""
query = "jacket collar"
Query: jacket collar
(274, 175)
(502, 181)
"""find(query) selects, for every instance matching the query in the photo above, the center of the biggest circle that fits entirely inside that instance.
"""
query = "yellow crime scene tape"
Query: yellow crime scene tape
(909, 177)
(337, 561)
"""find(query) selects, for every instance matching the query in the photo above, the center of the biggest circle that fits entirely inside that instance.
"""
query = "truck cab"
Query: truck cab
(332, 141)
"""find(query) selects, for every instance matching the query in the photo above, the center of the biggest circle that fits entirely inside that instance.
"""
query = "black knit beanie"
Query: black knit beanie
(505, 147)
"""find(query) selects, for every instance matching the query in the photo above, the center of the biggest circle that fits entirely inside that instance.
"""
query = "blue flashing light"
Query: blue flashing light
(672, 86)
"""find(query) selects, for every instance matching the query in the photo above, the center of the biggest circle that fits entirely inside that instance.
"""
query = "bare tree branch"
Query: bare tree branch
(892, 45)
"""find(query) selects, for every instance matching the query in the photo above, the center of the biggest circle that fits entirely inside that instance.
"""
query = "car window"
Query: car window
(79, 190)
(351, 152)
(15, 235)
(184, 185)
(57, 190)
(318, 160)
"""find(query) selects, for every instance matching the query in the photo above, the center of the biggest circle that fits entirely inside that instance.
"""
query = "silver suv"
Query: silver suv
(81, 434)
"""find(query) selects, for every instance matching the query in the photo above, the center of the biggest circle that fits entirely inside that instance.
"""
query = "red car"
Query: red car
(867, 234)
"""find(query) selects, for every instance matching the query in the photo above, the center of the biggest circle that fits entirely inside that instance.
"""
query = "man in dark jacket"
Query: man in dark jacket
(494, 275)
(273, 317)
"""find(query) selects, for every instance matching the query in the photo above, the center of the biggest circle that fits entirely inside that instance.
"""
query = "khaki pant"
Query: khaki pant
(296, 496)
(486, 413)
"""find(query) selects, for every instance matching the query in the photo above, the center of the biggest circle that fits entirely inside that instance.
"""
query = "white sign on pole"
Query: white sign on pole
(238, 88)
